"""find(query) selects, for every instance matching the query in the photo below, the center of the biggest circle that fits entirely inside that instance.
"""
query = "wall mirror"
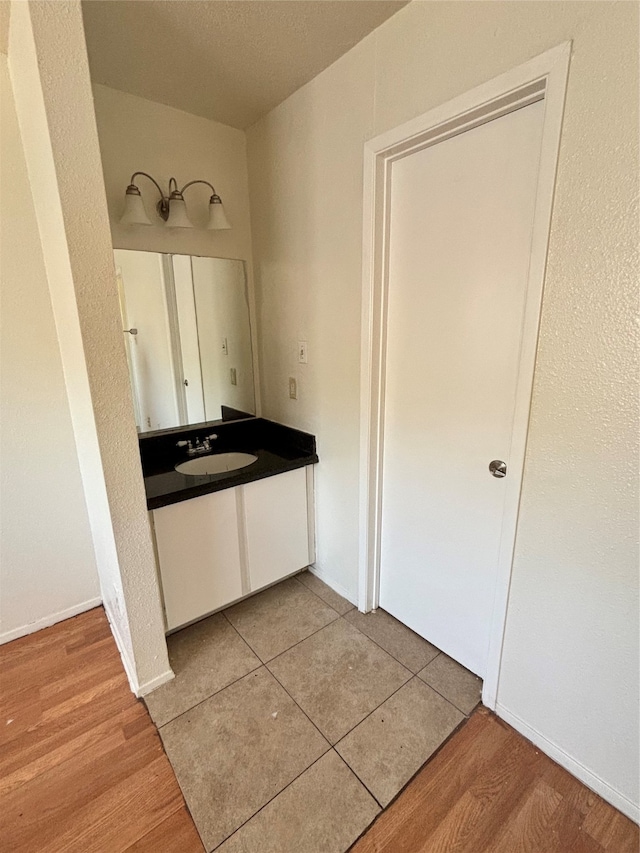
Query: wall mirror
(188, 337)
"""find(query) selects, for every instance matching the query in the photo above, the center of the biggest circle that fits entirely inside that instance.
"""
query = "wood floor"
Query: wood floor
(82, 770)
(82, 767)
(489, 790)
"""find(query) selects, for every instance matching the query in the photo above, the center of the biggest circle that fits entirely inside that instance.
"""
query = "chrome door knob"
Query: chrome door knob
(498, 468)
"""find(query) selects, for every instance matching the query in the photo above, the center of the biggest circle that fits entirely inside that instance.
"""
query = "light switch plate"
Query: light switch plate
(293, 388)
(302, 352)
(234, 376)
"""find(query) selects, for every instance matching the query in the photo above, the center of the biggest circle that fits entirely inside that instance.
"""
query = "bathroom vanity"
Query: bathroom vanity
(221, 536)
(230, 496)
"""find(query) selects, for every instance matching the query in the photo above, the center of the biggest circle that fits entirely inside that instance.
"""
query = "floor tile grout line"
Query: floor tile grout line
(184, 796)
(377, 708)
(333, 745)
(453, 704)
(364, 785)
(224, 613)
(439, 652)
(342, 737)
(297, 704)
(209, 696)
(215, 692)
(412, 675)
(235, 681)
(265, 665)
(256, 669)
(416, 674)
(317, 594)
(435, 752)
(464, 719)
(297, 643)
(373, 710)
(271, 799)
(333, 621)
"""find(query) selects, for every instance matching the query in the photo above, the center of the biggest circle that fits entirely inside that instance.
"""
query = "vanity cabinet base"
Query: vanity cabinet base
(217, 548)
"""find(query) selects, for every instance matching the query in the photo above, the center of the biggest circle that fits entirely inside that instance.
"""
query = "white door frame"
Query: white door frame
(544, 77)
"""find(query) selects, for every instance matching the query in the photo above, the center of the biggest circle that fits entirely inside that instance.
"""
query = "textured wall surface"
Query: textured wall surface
(47, 563)
(139, 135)
(50, 79)
(571, 654)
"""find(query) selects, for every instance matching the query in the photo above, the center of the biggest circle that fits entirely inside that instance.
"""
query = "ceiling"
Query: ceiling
(227, 60)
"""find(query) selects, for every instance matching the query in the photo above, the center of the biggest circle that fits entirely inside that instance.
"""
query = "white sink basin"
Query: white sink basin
(217, 463)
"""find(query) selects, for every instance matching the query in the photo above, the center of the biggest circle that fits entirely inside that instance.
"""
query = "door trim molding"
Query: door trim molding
(544, 77)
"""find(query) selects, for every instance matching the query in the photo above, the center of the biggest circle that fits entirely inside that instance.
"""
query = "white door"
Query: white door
(460, 238)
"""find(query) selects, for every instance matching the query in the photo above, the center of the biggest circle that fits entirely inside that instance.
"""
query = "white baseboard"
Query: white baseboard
(48, 621)
(136, 688)
(158, 681)
(124, 656)
(595, 783)
(320, 573)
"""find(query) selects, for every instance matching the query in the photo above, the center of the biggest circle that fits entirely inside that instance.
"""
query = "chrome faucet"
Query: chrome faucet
(197, 447)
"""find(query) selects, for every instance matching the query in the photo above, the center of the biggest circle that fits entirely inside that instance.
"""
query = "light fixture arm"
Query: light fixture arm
(153, 181)
(214, 194)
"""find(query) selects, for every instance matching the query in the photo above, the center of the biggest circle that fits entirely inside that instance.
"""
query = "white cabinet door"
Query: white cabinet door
(199, 555)
(276, 523)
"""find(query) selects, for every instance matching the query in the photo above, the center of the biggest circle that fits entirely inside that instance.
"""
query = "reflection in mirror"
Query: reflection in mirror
(188, 337)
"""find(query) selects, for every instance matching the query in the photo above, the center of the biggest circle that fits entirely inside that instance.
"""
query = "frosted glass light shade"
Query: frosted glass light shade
(134, 211)
(178, 214)
(217, 217)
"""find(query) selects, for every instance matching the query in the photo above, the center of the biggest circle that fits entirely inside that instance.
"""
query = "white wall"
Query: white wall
(47, 563)
(570, 674)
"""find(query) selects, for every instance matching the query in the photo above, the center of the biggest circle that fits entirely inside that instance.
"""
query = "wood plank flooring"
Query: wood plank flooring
(489, 790)
(82, 767)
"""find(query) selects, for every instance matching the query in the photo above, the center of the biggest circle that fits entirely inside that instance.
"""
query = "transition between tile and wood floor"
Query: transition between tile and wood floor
(294, 719)
(82, 769)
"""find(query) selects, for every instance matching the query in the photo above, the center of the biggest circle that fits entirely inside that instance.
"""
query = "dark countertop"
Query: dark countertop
(278, 448)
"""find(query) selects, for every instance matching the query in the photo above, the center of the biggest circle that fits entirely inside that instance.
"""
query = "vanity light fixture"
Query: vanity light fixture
(171, 208)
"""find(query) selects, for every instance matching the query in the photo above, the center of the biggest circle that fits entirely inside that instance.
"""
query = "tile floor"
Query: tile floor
(294, 719)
